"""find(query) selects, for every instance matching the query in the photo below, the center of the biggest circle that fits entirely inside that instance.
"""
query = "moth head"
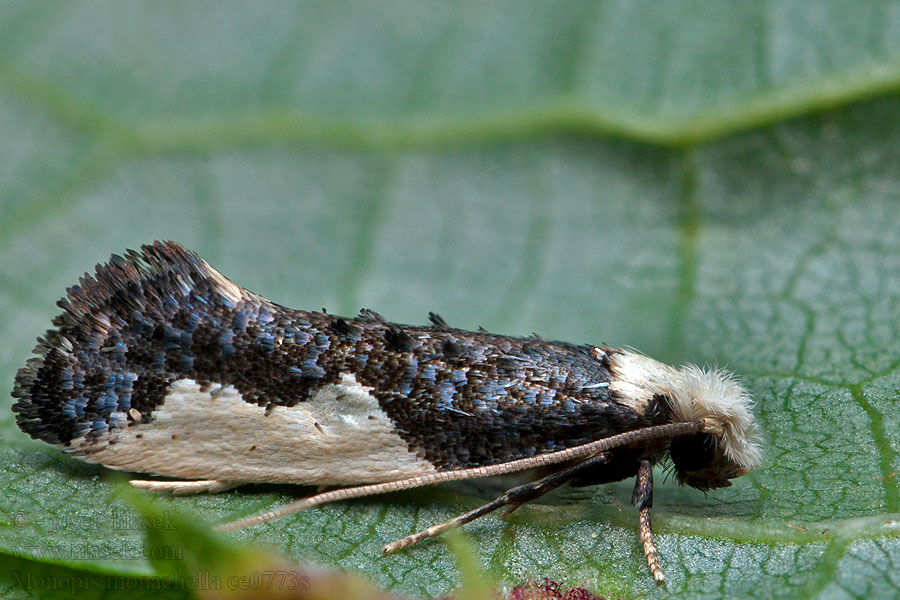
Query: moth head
(730, 444)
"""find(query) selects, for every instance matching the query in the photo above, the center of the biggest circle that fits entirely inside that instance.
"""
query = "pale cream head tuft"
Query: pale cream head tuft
(695, 394)
(714, 393)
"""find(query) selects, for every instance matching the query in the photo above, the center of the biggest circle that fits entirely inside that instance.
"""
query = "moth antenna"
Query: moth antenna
(668, 430)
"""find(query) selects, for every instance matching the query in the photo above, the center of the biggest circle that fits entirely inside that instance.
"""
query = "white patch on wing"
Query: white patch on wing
(339, 436)
(227, 288)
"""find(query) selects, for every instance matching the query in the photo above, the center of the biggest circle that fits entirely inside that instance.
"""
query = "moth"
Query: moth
(159, 364)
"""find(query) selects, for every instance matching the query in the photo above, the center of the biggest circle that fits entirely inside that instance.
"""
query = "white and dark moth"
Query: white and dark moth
(159, 364)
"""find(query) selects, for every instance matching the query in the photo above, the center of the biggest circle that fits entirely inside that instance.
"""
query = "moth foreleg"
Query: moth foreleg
(513, 498)
(642, 498)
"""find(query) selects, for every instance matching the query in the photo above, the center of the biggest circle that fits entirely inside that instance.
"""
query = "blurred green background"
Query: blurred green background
(706, 182)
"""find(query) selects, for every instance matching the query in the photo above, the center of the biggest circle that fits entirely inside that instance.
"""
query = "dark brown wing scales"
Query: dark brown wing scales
(468, 399)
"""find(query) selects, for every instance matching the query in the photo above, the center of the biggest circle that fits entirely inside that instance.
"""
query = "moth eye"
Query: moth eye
(692, 453)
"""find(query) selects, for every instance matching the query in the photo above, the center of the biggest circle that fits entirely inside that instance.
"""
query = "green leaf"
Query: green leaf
(216, 568)
(706, 182)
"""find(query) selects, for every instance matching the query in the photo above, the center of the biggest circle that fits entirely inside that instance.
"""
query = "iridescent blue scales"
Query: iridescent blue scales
(160, 364)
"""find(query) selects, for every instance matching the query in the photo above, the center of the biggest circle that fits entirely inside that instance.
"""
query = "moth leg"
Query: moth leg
(642, 498)
(513, 497)
(184, 487)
